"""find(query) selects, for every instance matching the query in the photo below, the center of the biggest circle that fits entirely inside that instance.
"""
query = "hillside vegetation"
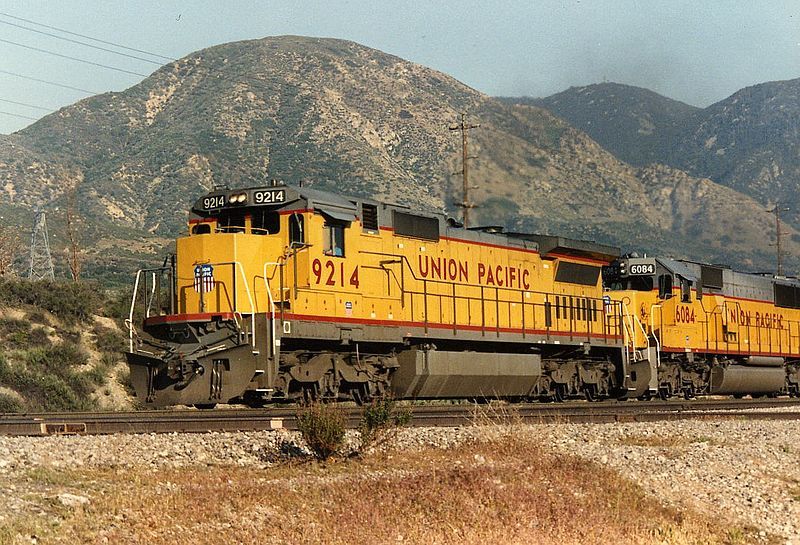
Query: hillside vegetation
(58, 352)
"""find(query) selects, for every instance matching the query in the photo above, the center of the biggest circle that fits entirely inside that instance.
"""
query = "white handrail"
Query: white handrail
(152, 293)
(272, 307)
(653, 330)
(628, 326)
(238, 265)
(130, 314)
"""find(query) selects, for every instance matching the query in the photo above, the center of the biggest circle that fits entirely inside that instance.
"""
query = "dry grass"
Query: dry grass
(505, 490)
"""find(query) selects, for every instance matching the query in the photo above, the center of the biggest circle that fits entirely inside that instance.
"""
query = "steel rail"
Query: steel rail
(463, 414)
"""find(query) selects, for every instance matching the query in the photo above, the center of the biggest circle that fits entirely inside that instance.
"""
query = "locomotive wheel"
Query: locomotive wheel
(559, 392)
(310, 394)
(665, 392)
(590, 392)
(205, 406)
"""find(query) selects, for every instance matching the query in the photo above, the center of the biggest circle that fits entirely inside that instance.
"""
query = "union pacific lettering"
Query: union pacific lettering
(770, 320)
(501, 276)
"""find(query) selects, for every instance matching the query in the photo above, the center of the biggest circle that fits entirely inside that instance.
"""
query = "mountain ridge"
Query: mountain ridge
(348, 118)
(749, 141)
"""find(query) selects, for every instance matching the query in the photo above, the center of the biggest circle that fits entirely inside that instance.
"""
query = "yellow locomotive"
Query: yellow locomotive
(281, 293)
(707, 329)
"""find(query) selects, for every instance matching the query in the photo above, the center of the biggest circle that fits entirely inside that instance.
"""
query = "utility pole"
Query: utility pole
(41, 262)
(777, 211)
(465, 202)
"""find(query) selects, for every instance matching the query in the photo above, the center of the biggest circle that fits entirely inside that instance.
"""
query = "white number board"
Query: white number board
(269, 196)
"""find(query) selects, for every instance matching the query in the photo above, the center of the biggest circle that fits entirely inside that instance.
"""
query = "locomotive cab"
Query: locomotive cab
(224, 289)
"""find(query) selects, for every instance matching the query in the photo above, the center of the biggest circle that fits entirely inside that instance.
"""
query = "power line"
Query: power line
(73, 58)
(87, 37)
(80, 42)
(26, 105)
(50, 82)
(19, 115)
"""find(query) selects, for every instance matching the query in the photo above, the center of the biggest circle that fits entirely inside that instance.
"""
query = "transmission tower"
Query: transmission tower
(41, 261)
(465, 203)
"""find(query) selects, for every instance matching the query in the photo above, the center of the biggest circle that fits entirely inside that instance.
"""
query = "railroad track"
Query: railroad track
(237, 419)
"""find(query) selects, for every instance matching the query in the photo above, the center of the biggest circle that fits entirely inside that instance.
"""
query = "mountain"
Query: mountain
(342, 116)
(637, 125)
(749, 141)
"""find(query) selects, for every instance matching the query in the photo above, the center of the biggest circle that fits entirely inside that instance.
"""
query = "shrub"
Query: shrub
(381, 417)
(5, 369)
(70, 301)
(39, 337)
(9, 404)
(48, 392)
(109, 340)
(56, 359)
(322, 427)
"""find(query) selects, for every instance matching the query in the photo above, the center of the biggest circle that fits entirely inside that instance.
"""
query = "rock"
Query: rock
(72, 500)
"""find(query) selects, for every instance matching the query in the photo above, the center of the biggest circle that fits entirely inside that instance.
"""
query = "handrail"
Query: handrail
(129, 321)
(629, 329)
(238, 266)
(641, 326)
(274, 343)
(653, 331)
(152, 293)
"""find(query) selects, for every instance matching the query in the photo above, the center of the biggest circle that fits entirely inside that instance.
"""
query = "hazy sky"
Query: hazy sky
(695, 51)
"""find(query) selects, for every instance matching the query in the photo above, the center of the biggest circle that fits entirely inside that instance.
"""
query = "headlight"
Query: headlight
(238, 198)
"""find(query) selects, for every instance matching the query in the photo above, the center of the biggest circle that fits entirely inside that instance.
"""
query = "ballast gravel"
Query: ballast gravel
(744, 471)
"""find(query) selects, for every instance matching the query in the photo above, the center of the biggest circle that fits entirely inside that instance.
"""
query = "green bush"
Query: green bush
(48, 392)
(109, 340)
(5, 369)
(380, 418)
(70, 301)
(57, 359)
(9, 404)
(47, 379)
(38, 337)
(322, 427)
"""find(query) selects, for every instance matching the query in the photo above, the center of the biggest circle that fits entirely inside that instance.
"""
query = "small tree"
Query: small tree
(381, 419)
(74, 253)
(322, 427)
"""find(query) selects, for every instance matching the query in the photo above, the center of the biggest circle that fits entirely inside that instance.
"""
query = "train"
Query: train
(283, 293)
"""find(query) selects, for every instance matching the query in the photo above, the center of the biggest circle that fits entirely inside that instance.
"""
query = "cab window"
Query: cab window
(231, 222)
(640, 283)
(686, 291)
(297, 235)
(265, 222)
(665, 286)
(333, 236)
(201, 229)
